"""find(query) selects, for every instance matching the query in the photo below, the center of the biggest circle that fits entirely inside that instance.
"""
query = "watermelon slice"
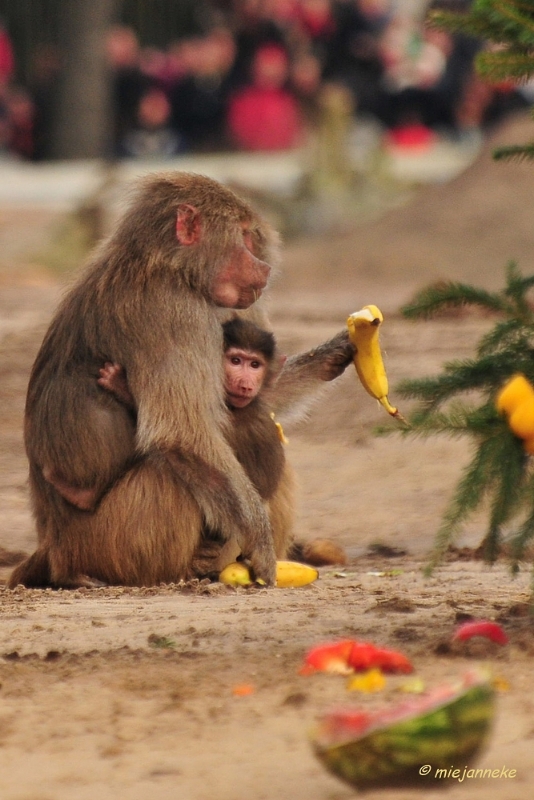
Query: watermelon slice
(445, 727)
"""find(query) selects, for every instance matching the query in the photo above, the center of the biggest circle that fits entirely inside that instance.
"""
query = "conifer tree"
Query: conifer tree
(507, 27)
(501, 471)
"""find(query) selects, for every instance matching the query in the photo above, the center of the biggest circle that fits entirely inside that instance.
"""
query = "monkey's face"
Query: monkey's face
(242, 277)
(244, 374)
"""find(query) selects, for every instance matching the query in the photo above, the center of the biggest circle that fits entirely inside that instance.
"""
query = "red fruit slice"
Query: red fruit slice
(331, 657)
(349, 655)
(486, 628)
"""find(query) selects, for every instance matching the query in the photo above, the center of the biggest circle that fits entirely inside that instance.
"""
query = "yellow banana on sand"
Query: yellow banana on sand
(289, 574)
(363, 328)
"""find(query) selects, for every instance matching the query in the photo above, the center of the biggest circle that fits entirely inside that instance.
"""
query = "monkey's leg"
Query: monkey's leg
(93, 447)
(76, 496)
(34, 572)
(214, 554)
(144, 532)
(282, 513)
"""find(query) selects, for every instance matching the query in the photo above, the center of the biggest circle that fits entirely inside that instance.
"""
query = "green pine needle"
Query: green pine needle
(499, 470)
(445, 296)
(514, 153)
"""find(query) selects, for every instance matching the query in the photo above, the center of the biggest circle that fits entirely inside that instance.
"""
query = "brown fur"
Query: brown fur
(148, 302)
(238, 332)
(256, 443)
(145, 302)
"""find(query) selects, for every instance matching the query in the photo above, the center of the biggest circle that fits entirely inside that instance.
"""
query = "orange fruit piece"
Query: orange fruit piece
(513, 393)
(521, 420)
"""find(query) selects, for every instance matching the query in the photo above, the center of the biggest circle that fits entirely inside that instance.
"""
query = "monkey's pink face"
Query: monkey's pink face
(242, 279)
(244, 374)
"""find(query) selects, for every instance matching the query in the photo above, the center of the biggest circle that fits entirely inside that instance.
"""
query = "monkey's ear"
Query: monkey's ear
(187, 224)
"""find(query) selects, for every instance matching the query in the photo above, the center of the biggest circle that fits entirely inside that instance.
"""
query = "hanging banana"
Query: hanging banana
(363, 328)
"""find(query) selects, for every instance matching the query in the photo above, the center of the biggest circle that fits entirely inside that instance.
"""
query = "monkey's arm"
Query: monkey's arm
(303, 375)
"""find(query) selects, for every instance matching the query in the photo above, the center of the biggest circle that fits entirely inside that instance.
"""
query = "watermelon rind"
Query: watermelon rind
(390, 754)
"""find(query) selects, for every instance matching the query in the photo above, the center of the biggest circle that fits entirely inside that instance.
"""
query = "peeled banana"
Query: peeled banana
(363, 332)
(289, 574)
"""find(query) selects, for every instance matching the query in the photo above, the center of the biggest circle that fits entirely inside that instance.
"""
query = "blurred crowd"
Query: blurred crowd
(253, 78)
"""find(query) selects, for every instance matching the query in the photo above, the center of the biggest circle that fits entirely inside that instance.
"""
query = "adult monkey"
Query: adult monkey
(150, 301)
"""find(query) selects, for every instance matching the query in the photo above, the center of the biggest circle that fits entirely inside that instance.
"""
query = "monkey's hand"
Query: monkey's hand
(330, 360)
(112, 378)
(232, 506)
(262, 566)
(262, 562)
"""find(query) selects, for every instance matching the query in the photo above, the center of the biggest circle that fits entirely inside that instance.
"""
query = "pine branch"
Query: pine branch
(514, 153)
(505, 65)
(473, 24)
(507, 495)
(426, 421)
(526, 531)
(471, 490)
(516, 289)
(443, 296)
(488, 372)
(507, 334)
(520, 541)
(485, 372)
(513, 12)
(459, 420)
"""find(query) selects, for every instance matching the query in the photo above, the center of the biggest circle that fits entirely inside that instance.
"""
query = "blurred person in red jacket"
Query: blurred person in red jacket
(7, 59)
(265, 115)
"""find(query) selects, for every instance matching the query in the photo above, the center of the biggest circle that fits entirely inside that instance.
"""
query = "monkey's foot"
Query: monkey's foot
(80, 582)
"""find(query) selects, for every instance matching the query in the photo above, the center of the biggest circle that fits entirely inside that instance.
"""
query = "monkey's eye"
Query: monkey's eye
(235, 360)
(256, 364)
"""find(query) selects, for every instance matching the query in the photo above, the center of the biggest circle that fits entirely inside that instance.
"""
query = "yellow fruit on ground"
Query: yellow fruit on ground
(513, 393)
(289, 574)
(521, 420)
(236, 574)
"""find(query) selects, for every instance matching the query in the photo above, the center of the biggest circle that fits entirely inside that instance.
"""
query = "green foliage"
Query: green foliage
(500, 471)
(508, 27)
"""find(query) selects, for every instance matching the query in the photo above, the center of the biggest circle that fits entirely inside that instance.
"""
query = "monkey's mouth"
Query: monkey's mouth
(249, 296)
(237, 400)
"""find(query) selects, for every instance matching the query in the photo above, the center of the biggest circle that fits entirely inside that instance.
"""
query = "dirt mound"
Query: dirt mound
(466, 230)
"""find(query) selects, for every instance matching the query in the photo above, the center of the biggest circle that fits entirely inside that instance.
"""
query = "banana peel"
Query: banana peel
(289, 574)
(363, 328)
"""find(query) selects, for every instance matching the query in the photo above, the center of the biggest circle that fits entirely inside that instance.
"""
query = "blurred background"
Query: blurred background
(156, 78)
(322, 111)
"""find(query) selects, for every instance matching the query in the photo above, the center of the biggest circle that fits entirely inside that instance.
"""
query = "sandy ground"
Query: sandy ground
(131, 693)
